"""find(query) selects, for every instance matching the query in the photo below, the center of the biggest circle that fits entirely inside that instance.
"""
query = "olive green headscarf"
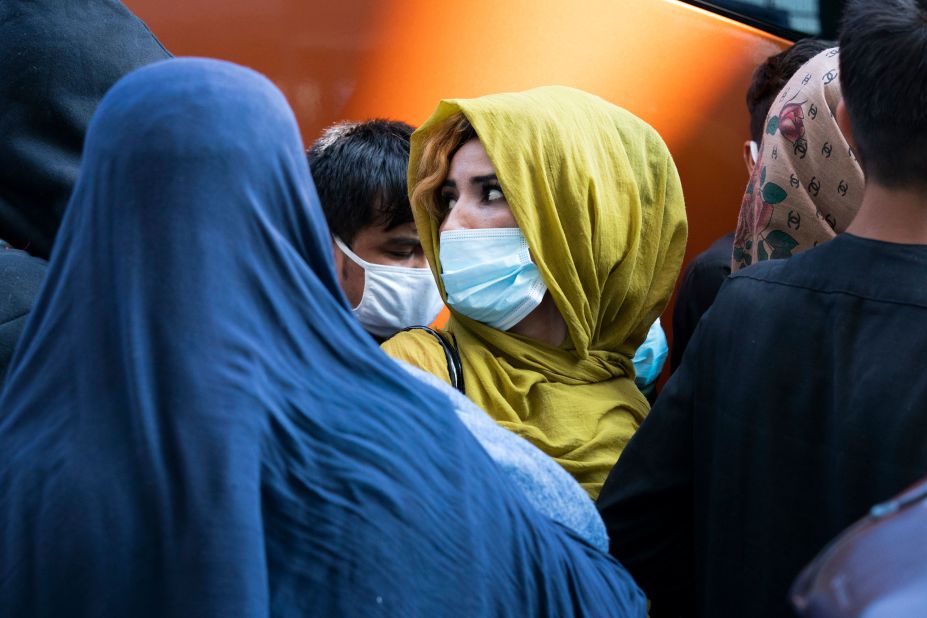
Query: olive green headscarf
(597, 196)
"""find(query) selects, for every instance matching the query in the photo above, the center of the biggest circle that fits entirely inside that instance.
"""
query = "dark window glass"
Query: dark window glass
(792, 19)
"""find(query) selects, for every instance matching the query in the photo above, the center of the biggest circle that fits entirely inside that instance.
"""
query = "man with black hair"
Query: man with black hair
(768, 80)
(704, 275)
(800, 402)
(360, 173)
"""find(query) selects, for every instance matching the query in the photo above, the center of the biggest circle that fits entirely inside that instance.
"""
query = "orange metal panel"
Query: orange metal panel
(682, 69)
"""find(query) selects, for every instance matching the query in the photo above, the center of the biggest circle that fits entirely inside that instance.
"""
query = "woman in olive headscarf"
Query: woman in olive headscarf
(555, 226)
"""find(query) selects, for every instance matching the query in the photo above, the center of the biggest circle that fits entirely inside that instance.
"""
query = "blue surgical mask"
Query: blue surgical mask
(650, 357)
(489, 276)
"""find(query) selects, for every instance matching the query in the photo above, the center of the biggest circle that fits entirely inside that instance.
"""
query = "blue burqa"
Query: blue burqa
(195, 425)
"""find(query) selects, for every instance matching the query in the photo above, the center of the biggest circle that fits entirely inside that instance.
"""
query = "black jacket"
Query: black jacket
(698, 288)
(800, 402)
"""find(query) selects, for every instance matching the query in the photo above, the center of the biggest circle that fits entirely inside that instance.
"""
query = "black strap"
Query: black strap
(454, 366)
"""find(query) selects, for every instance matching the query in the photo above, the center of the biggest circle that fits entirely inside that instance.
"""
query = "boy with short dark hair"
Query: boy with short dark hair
(360, 173)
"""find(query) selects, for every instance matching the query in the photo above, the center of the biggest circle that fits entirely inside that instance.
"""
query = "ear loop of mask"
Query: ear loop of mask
(386, 268)
(394, 297)
(754, 151)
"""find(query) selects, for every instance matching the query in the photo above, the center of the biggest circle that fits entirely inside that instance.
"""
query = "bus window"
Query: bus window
(790, 19)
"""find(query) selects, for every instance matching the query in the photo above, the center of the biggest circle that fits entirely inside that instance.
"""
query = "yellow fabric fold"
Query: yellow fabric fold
(597, 196)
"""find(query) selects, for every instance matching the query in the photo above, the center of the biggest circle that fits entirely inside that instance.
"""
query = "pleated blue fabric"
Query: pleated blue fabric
(195, 425)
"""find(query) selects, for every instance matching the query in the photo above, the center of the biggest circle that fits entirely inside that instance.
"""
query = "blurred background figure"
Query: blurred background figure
(876, 568)
(57, 63)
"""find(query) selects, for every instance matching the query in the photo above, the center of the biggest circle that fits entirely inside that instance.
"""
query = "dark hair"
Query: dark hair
(883, 75)
(770, 77)
(360, 174)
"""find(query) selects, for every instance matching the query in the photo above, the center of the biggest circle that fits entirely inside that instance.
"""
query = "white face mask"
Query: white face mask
(394, 296)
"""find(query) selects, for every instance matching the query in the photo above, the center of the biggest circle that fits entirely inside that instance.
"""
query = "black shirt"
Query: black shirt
(697, 290)
(800, 402)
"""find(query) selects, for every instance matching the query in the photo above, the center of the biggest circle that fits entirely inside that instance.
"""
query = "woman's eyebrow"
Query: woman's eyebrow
(450, 184)
(478, 180)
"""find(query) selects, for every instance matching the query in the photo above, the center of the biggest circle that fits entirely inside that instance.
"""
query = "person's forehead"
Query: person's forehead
(471, 157)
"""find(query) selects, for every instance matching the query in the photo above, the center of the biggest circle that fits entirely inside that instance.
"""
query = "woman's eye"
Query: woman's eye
(448, 199)
(494, 194)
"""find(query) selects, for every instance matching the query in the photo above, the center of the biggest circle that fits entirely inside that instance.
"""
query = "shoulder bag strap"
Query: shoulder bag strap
(454, 366)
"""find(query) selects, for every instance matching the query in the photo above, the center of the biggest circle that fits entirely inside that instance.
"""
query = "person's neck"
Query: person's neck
(891, 215)
(543, 324)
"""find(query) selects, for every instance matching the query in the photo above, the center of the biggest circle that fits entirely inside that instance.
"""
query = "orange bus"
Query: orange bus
(684, 67)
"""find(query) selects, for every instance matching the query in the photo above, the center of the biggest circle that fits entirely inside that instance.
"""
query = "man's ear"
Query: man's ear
(748, 157)
(843, 122)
